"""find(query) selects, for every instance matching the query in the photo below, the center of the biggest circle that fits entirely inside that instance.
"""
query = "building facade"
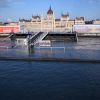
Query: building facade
(96, 22)
(50, 23)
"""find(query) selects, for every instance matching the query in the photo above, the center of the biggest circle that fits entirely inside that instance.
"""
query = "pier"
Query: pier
(89, 35)
(68, 36)
(40, 36)
(31, 39)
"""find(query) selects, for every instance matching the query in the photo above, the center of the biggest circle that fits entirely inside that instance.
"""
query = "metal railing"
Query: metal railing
(51, 48)
(38, 38)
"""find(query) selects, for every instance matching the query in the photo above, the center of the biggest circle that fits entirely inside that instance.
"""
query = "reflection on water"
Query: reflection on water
(85, 48)
(51, 80)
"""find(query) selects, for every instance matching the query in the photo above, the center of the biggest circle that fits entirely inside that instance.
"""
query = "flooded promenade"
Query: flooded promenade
(85, 48)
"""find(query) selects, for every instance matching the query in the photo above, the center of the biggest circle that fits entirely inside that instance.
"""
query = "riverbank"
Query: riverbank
(30, 59)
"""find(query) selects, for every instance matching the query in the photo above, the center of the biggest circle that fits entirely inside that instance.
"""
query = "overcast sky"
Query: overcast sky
(15, 9)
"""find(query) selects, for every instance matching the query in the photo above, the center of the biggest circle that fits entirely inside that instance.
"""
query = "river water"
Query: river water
(52, 80)
(85, 48)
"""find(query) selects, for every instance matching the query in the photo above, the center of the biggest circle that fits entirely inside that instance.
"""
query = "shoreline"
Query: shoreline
(30, 59)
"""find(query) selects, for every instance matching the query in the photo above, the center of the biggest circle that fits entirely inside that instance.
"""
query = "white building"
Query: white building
(37, 23)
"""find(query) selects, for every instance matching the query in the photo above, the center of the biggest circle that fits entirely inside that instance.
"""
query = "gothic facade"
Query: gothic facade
(50, 23)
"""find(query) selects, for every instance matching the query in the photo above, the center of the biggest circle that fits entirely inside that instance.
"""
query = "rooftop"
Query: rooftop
(35, 17)
(50, 11)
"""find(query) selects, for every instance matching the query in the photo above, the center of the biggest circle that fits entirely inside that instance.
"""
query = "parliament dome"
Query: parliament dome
(50, 11)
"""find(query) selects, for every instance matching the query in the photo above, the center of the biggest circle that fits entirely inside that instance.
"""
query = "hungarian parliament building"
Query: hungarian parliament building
(50, 23)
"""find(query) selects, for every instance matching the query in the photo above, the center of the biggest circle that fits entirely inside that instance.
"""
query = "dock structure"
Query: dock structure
(5, 40)
(67, 36)
(38, 37)
(31, 39)
(6, 36)
(88, 35)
